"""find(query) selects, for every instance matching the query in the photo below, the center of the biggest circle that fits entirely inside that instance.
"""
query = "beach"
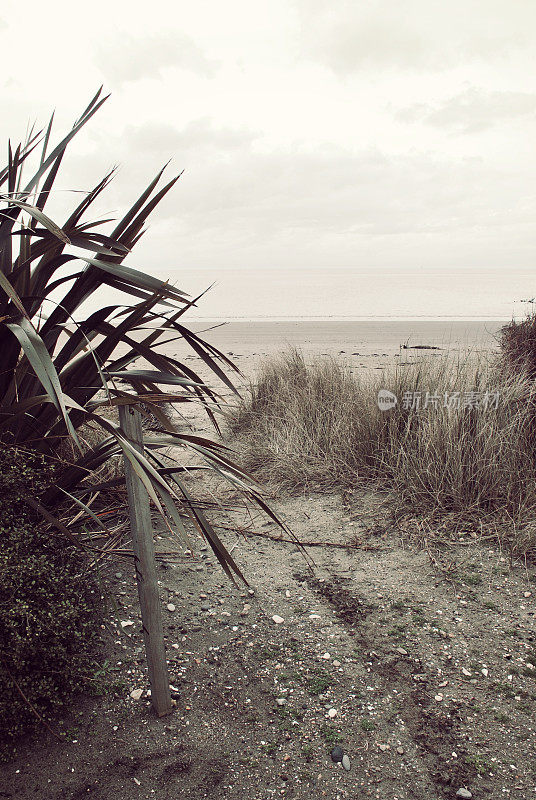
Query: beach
(363, 343)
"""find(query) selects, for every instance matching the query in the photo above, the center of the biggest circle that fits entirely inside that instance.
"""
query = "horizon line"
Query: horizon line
(350, 318)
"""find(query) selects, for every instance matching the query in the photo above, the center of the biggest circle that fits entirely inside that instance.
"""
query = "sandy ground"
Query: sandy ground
(418, 660)
(418, 663)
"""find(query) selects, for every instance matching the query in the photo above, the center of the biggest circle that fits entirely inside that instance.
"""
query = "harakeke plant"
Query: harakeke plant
(61, 367)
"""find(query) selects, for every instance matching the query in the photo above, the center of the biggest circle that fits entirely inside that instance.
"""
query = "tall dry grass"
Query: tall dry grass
(318, 426)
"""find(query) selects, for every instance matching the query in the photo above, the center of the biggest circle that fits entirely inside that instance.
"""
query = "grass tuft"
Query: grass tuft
(318, 426)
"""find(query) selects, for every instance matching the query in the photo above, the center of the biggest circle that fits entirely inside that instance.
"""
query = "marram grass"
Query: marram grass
(318, 426)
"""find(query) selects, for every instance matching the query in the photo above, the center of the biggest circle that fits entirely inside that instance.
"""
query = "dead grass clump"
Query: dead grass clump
(461, 439)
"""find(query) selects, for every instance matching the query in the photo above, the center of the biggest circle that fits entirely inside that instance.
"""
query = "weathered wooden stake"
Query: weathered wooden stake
(143, 545)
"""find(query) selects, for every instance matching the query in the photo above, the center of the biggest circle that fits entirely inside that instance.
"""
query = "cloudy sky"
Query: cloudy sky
(314, 134)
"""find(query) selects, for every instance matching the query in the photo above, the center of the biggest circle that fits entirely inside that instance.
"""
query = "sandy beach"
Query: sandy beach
(361, 344)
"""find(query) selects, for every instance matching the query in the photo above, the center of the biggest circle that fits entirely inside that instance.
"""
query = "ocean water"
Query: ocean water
(345, 294)
(337, 337)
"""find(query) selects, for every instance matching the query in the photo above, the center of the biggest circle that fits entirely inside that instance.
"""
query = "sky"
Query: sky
(314, 135)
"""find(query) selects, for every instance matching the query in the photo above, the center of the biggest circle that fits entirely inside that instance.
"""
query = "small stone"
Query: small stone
(332, 713)
(465, 794)
(314, 616)
(438, 698)
(245, 610)
(384, 747)
(346, 762)
(527, 594)
(401, 651)
(336, 663)
(127, 623)
(337, 754)
(277, 619)
(118, 574)
(170, 607)
(485, 672)
(466, 672)
(280, 701)
(400, 751)
(136, 694)
(136, 781)
(326, 656)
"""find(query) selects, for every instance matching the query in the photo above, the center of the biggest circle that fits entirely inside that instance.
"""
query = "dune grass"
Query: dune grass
(317, 425)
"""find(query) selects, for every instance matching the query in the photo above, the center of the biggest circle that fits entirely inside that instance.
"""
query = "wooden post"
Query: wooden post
(143, 545)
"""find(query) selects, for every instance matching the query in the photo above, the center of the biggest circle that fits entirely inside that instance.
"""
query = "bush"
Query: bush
(48, 604)
(518, 344)
(318, 426)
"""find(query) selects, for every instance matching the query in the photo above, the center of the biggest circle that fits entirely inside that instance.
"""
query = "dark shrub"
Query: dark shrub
(48, 603)
(518, 344)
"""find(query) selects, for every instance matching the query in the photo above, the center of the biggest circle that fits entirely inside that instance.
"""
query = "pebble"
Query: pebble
(464, 793)
(127, 623)
(346, 762)
(400, 751)
(136, 694)
(277, 619)
(170, 607)
(280, 701)
(326, 656)
(332, 713)
(118, 574)
(337, 754)
(527, 594)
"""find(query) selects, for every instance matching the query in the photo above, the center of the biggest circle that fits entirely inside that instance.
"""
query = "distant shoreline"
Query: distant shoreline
(427, 319)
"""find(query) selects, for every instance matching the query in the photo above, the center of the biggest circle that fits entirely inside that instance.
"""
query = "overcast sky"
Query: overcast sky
(313, 133)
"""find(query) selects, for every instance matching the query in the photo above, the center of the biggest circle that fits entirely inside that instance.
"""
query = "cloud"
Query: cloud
(240, 204)
(367, 43)
(472, 111)
(349, 37)
(132, 59)
(166, 140)
(291, 208)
